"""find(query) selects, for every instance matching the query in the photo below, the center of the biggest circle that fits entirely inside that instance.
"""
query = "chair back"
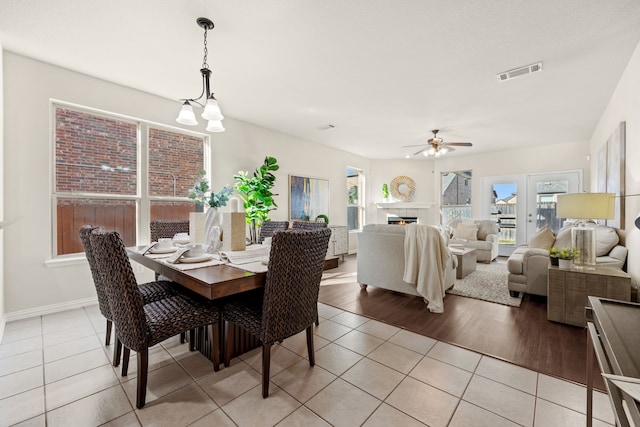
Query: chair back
(269, 228)
(308, 225)
(290, 301)
(98, 280)
(167, 229)
(121, 287)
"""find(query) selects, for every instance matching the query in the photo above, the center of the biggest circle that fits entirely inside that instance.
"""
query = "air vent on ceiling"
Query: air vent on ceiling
(325, 127)
(521, 71)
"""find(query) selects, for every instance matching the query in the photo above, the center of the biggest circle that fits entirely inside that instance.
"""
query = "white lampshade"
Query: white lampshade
(212, 110)
(586, 206)
(186, 115)
(215, 126)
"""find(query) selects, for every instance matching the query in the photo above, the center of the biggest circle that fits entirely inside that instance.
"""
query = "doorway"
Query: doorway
(537, 194)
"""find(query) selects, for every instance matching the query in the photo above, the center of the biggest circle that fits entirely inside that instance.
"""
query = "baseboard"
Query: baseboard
(49, 309)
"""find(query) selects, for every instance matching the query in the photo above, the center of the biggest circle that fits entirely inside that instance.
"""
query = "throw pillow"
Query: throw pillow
(465, 233)
(606, 239)
(563, 239)
(543, 238)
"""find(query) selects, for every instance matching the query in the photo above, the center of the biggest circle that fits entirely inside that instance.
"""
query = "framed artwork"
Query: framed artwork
(611, 171)
(308, 198)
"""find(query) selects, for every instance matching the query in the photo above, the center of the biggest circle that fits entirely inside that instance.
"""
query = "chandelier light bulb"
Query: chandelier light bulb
(212, 110)
(215, 126)
(186, 115)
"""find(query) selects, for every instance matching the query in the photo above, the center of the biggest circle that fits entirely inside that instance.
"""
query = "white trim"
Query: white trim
(3, 323)
(49, 309)
(407, 205)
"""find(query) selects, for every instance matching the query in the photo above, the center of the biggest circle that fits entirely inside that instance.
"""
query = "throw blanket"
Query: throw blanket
(425, 259)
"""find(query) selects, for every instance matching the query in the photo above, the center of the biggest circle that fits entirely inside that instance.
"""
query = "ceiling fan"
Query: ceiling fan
(437, 147)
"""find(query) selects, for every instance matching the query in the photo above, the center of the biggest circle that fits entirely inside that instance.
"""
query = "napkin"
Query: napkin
(175, 257)
(147, 248)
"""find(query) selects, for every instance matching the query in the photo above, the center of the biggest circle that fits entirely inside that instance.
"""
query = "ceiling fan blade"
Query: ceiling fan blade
(415, 145)
(418, 152)
(459, 144)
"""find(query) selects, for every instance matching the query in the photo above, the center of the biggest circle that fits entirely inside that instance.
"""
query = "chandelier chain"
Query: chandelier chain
(204, 59)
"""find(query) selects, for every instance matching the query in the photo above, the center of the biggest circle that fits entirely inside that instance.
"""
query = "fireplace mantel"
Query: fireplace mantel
(404, 205)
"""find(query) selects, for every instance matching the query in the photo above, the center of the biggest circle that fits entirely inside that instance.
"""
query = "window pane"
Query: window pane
(353, 218)
(161, 210)
(451, 213)
(94, 154)
(456, 188)
(174, 162)
(119, 215)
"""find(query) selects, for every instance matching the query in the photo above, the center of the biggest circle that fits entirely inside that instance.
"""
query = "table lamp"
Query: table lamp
(584, 207)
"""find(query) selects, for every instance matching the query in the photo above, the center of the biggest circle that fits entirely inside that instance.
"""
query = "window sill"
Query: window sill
(66, 260)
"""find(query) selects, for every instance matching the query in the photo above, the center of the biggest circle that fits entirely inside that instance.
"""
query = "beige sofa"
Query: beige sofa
(381, 259)
(528, 266)
(485, 241)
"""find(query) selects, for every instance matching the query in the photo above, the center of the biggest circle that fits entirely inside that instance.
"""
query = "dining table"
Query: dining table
(214, 282)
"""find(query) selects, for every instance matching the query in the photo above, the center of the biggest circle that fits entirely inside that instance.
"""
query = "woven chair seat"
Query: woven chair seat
(246, 313)
(154, 291)
(171, 316)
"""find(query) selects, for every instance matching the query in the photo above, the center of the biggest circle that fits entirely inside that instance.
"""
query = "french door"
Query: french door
(522, 204)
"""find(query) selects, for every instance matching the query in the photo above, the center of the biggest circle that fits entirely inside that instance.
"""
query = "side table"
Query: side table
(568, 290)
(467, 260)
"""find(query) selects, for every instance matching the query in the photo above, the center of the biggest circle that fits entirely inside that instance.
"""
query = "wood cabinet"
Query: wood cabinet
(568, 290)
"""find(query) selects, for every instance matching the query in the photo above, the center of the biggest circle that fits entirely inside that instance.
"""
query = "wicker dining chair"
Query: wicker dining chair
(152, 291)
(167, 228)
(270, 227)
(140, 325)
(307, 225)
(288, 303)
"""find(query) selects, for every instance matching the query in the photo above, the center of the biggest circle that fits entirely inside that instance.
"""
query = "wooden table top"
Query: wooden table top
(211, 282)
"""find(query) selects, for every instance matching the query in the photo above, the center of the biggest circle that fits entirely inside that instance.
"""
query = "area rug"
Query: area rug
(488, 283)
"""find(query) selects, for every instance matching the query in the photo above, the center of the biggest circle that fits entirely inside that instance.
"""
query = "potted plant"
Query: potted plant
(385, 192)
(255, 192)
(564, 256)
(202, 194)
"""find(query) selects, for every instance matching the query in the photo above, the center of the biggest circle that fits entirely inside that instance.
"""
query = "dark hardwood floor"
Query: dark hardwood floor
(520, 335)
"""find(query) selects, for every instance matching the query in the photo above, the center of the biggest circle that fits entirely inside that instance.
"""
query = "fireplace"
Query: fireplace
(401, 220)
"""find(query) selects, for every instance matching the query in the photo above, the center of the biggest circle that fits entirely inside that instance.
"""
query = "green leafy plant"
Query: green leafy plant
(385, 191)
(564, 253)
(200, 192)
(255, 192)
(323, 217)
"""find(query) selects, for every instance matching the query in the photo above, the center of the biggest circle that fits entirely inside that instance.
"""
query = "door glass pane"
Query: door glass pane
(546, 200)
(94, 154)
(504, 206)
(174, 162)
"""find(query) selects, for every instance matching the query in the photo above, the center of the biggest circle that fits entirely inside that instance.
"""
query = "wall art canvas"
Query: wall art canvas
(611, 171)
(308, 198)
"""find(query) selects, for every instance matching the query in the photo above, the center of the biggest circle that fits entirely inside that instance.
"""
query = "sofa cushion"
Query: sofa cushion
(486, 227)
(606, 239)
(543, 239)
(563, 238)
(464, 232)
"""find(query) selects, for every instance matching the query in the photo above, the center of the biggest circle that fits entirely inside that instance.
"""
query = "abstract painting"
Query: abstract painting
(308, 198)
(611, 171)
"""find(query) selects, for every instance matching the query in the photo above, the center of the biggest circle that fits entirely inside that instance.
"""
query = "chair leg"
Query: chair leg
(125, 361)
(107, 339)
(143, 366)
(183, 337)
(117, 350)
(192, 340)
(229, 346)
(310, 350)
(266, 365)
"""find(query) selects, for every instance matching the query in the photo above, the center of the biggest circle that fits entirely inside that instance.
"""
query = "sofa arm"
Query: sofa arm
(619, 252)
(492, 238)
(535, 261)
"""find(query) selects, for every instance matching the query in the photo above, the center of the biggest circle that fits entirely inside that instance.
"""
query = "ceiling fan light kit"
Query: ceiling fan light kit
(436, 146)
(211, 112)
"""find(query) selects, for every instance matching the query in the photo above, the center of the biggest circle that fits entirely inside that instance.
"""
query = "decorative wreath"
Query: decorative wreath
(403, 188)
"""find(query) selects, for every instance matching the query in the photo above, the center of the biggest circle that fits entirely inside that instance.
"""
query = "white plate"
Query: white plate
(162, 250)
(181, 241)
(200, 258)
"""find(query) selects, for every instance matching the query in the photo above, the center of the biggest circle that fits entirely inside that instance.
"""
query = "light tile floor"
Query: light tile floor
(56, 371)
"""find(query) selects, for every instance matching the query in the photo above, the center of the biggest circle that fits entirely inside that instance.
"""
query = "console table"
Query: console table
(568, 290)
(614, 338)
(339, 241)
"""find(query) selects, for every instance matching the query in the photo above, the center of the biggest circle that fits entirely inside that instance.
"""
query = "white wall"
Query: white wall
(30, 285)
(2, 217)
(624, 105)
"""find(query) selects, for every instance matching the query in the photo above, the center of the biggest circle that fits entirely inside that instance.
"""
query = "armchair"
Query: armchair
(485, 240)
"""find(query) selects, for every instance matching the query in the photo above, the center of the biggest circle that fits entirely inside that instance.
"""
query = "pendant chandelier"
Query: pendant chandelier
(211, 111)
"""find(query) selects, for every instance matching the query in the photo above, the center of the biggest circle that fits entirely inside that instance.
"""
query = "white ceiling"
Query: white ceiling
(383, 72)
